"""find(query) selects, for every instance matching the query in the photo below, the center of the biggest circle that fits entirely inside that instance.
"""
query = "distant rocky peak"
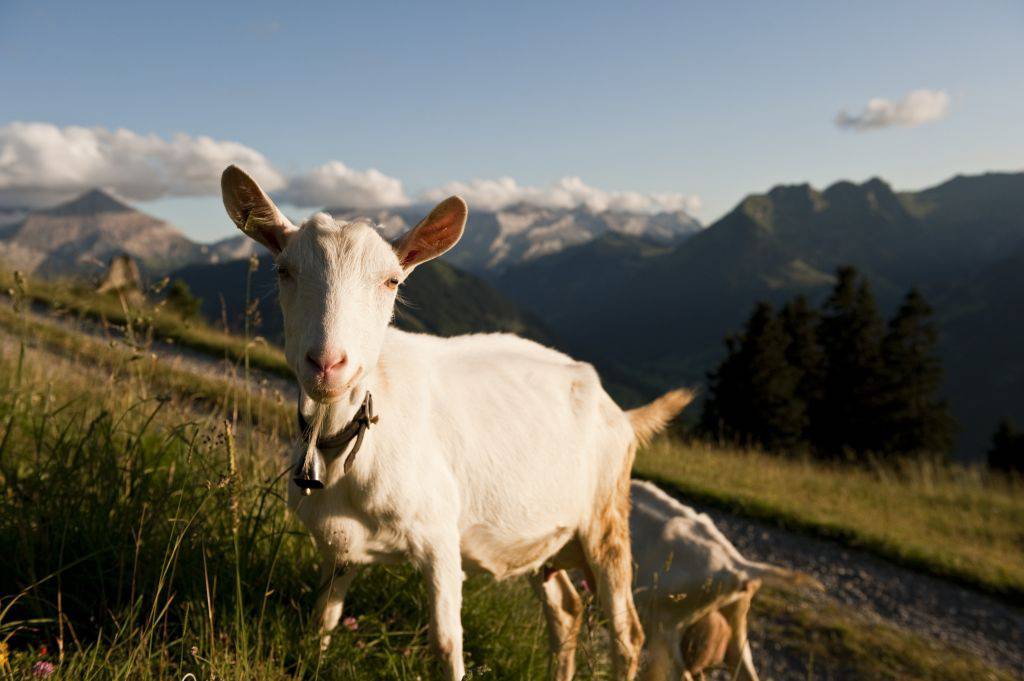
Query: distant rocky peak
(92, 202)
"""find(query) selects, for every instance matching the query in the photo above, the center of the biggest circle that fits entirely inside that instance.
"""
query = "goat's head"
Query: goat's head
(337, 280)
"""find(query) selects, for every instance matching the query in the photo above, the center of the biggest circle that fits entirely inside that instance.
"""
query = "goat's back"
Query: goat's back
(524, 436)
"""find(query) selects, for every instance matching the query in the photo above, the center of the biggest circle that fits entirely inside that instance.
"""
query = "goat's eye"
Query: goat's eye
(392, 283)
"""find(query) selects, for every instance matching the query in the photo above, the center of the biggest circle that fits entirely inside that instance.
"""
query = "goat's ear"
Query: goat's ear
(252, 211)
(434, 235)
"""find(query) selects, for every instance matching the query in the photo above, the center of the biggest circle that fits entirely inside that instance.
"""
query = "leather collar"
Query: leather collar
(354, 430)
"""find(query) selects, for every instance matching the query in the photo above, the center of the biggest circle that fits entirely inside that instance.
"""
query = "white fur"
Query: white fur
(685, 569)
(492, 452)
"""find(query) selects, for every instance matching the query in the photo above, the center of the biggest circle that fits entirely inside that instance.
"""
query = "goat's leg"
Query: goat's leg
(563, 610)
(607, 551)
(334, 583)
(737, 654)
(442, 567)
(659, 662)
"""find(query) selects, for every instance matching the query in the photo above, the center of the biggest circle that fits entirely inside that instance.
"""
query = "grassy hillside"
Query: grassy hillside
(932, 502)
(950, 521)
(171, 551)
(143, 322)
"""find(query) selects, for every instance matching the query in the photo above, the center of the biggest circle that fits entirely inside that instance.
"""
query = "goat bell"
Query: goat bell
(310, 471)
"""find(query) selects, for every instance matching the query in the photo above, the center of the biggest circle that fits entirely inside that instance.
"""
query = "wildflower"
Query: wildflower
(43, 669)
(350, 623)
(4, 657)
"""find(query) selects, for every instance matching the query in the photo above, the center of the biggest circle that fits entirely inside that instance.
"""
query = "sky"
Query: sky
(645, 106)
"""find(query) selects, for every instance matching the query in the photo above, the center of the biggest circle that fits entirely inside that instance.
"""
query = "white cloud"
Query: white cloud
(569, 192)
(916, 107)
(42, 164)
(335, 185)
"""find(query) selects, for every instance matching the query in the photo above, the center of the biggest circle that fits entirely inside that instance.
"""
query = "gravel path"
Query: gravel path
(876, 588)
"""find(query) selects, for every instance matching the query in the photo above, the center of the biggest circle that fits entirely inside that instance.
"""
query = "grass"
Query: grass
(225, 392)
(950, 521)
(154, 321)
(144, 535)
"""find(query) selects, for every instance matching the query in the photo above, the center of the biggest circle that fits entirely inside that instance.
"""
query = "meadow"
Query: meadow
(145, 535)
(960, 523)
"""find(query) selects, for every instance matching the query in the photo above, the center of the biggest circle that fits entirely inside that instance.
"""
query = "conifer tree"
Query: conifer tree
(751, 396)
(805, 355)
(846, 419)
(724, 392)
(1007, 452)
(914, 420)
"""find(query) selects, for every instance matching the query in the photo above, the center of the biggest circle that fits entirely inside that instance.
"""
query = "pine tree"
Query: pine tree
(751, 398)
(1007, 452)
(914, 419)
(846, 419)
(725, 387)
(805, 355)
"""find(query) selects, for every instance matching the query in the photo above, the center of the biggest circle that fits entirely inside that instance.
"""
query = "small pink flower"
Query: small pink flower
(43, 669)
(350, 623)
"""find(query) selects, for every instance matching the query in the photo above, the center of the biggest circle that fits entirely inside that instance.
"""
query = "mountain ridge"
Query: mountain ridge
(666, 314)
(497, 239)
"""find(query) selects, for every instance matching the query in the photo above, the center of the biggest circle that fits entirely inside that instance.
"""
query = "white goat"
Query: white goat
(693, 589)
(492, 453)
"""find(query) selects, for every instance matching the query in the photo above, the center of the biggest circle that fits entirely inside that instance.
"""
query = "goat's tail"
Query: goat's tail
(776, 576)
(651, 419)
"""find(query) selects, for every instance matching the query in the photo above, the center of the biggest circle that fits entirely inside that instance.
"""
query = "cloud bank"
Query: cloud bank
(42, 164)
(336, 185)
(569, 192)
(915, 108)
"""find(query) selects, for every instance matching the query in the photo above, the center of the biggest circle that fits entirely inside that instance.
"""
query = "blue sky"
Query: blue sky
(714, 100)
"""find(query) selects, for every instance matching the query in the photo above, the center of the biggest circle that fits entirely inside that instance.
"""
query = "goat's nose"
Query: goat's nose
(324, 362)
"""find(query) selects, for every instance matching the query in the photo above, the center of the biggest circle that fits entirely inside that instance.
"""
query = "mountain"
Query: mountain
(230, 248)
(437, 298)
(496, 240)
(973, 220)
(12, 214)
(662, 312)
(983, 347)
(80, 236)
